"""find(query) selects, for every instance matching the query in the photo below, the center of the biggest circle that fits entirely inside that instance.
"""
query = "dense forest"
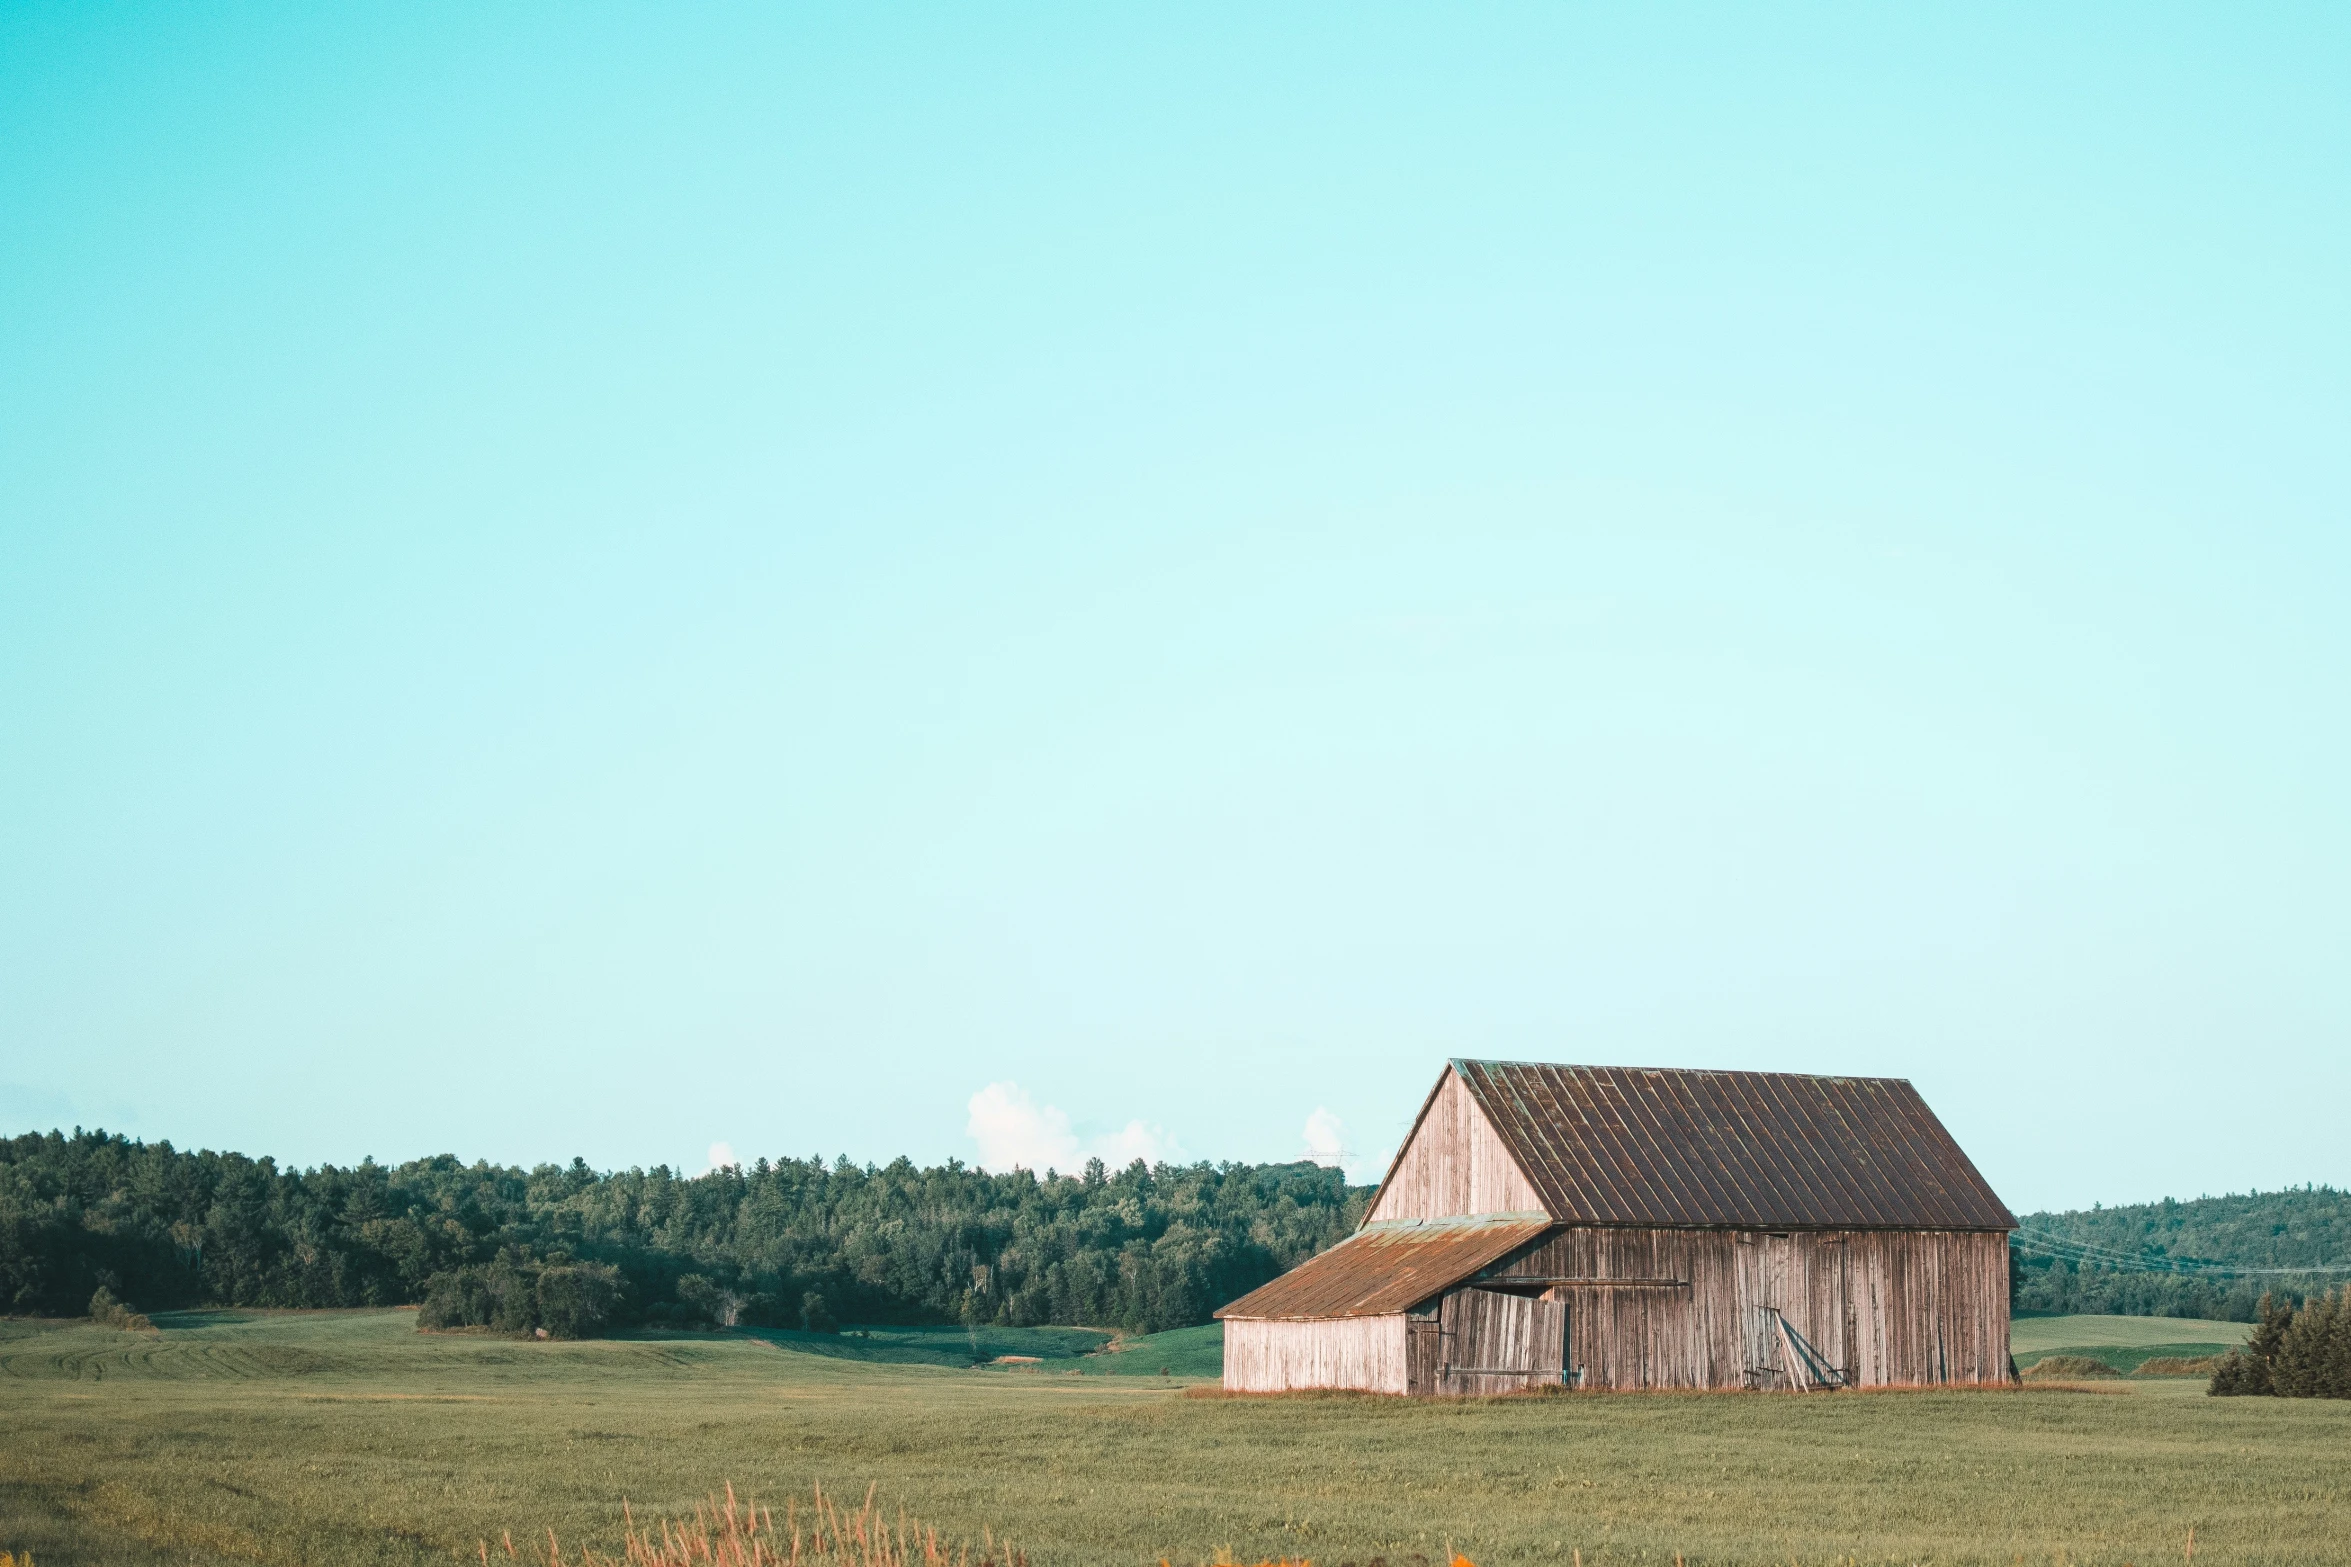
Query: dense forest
(2155, 1259)
(803, 1243)
(789, 1243)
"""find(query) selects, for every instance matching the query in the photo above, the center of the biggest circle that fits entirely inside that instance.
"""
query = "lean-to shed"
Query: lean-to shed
(1616, 1227)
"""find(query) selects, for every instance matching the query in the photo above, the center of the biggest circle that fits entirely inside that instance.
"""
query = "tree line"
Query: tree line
(2301, 1227)
(787, 1242)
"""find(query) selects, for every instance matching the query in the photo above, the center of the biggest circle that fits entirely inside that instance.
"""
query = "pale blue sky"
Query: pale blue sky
(593, 580)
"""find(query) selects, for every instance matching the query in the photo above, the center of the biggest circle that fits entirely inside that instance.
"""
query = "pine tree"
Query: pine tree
(2251, 1371)
(2301, 1364)
(2334, 1373)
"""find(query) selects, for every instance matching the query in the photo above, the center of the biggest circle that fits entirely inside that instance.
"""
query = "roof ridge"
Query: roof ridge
(1458, 1062)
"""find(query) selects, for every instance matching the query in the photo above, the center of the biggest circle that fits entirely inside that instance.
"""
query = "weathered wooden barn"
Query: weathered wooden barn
(1612, 1227)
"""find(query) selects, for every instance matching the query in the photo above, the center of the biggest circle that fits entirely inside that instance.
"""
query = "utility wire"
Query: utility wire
(2044, 1243)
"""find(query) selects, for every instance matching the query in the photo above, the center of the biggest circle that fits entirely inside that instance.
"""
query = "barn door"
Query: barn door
(1820, 1305)
(1762, 1276)
(1557, 1301)
(1423, 1352)
(1493, 1342)
(1547, 1340)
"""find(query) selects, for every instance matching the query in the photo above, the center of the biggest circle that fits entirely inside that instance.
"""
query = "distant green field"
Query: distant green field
(1087, 1352)
(335, 1439)
(959, 1348)
(2038, 1335)
(2125, 1343)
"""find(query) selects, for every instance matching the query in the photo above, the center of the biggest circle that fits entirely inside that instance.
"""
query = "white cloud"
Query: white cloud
(1133, 1141)
(1015, 1132)
(1322, 1137)
(1326, 1145)
(722, 1157)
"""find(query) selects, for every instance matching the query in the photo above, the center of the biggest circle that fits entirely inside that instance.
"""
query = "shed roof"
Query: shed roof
(1762, 1150)
(1390, 1267)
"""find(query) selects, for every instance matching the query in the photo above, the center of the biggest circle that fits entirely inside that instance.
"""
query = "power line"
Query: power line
(2108, 1258)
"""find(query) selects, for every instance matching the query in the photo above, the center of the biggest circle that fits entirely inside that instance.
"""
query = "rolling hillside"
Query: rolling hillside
(2174, 1259)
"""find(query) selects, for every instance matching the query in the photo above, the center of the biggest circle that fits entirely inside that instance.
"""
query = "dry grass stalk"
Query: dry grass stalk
(1224, 1560)
(725, 1532)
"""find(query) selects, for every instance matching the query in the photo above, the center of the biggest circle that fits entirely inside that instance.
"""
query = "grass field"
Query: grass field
(2125, 1343)
(346, 1438)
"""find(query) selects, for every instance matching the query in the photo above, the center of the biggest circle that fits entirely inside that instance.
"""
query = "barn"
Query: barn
(1614, 1227)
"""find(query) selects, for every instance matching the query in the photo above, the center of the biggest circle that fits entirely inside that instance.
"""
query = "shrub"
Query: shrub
(108, 1312)
(578, 1299)
(2240, 1374)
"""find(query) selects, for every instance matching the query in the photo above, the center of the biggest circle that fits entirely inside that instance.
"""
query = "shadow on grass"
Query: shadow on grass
(185, 1321)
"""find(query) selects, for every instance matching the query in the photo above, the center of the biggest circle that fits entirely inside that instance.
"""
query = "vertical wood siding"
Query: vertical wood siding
(1272, 1355)
(1488, 1342)
(1885, 1307)
(1455, 1164)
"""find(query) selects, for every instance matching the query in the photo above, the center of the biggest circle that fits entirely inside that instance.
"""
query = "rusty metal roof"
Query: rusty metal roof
(1389, 1267)
(1761, 1150)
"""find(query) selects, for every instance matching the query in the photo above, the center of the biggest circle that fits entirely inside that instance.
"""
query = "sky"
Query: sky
(1029, 583)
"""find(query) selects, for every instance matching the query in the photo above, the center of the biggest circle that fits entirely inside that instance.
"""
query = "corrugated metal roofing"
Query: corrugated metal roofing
(1390, 1267)
(1761, 1150)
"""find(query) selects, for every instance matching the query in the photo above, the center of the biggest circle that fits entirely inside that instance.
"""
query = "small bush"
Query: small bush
(108, 1312)
(2240, 1374)
(2067, 1368)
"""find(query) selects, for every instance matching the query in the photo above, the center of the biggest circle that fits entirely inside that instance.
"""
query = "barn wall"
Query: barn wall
(1455, 1164)
(1886, 1307)
(1489, 1342)
(1273, 1356)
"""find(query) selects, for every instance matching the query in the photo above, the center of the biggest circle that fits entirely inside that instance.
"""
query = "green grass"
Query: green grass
(2125, 1343)
(2039, 1335)
(1192, 1353)
(959, 1348)
(346, 1438)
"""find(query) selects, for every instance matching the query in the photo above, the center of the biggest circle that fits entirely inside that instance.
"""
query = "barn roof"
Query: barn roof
(1389, 1267)
(1762, 1150)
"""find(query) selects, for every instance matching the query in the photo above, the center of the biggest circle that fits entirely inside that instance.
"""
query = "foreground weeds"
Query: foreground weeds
(725, 1532)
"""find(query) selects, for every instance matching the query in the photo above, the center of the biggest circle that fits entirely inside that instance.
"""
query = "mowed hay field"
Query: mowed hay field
(2124, 1343)
(347, 1437)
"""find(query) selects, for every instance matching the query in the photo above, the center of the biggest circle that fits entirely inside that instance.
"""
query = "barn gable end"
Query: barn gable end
(1454, 1163)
